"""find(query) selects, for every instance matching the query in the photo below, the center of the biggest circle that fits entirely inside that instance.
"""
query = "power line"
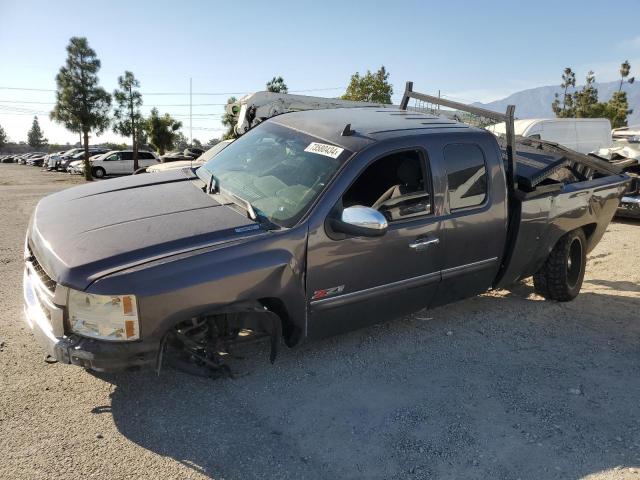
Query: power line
(184, 93)
(149, 105)
(28, 89)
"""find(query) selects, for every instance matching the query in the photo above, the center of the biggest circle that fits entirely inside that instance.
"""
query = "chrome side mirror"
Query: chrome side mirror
(361, 221)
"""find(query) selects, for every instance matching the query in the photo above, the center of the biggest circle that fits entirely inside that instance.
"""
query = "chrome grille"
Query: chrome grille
(46, 280)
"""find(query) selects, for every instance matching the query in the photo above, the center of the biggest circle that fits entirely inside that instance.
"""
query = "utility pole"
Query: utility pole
(190, 112)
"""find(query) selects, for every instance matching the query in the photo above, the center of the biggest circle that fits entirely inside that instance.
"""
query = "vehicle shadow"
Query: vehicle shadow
(616, 285)
(504, 385)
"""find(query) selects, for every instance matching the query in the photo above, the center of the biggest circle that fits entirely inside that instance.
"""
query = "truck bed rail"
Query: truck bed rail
(507, 117)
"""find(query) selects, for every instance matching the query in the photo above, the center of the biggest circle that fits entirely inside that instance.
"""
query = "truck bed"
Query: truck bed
(558, 190)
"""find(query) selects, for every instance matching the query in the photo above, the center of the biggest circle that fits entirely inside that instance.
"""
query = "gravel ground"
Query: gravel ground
(501, 386)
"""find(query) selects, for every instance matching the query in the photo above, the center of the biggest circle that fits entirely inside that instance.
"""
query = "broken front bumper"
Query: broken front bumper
(44, 313)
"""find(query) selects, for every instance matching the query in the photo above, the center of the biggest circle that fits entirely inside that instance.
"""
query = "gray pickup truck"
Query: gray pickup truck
(310, 224)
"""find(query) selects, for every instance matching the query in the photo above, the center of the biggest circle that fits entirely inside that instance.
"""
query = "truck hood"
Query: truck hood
(81, 234)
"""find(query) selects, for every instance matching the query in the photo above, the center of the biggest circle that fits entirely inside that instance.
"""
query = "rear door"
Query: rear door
(475, 222)
(125, 165)
(355, 281)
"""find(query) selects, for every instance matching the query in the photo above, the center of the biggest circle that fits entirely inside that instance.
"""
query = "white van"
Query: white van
(583, 135)
(120, 162)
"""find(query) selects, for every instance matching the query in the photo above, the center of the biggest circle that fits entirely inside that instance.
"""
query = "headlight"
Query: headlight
(106, 317)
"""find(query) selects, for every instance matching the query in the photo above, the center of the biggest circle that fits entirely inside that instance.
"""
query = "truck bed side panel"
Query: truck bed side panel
(546, 218)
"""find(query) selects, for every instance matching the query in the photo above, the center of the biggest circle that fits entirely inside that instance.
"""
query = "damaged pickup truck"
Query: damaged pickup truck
(310, 224)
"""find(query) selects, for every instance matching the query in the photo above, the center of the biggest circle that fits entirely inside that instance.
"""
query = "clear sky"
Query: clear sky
(471, 51)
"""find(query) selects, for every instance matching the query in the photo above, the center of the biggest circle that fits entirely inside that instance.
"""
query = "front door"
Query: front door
(356, 281)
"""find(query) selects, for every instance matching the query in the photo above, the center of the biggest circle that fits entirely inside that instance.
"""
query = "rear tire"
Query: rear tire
(560, 278)
(99, 172)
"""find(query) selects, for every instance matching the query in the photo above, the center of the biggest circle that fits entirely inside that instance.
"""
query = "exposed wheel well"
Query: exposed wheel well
(589, 230)
(291, 332)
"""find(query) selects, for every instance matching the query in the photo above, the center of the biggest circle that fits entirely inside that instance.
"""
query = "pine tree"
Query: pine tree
(586, 99)
(566, 108)
(82, 105)
(127, 116)
(625, 70)
(35, 138)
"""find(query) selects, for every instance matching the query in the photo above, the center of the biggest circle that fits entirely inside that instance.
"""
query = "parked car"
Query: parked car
(76, 167)
(627, 135)
(625, 154)
(201, 160)
(120, 162)
(36, 160)
(310, 224)
(583, 135)
(78, 154)
(27, 158)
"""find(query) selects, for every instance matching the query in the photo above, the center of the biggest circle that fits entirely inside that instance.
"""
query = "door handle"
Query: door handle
(423, 243)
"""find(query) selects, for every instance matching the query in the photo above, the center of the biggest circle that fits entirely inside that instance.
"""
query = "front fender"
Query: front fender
(266, 266)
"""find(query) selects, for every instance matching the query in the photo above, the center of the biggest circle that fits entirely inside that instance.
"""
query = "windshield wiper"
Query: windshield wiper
(241, 202)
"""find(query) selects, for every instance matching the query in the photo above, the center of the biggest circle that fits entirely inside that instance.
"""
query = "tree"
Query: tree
(163, 131)
(277, 85)
(35, 138)
(3, 137)
(625, 70)
(81, 104)
(618, 109)
(197, 143)
(371, 87)
(229, 120)
(212, 142)
(181, 141)
(566, 110)
(127, 116)
(586, 100)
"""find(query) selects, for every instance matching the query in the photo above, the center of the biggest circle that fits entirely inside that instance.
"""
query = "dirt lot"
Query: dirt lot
(504, 385)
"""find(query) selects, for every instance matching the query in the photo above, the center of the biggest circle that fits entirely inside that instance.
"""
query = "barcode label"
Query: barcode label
(324, 149)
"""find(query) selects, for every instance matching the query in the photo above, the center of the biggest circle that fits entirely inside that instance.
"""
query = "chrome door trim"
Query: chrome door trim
(352, 297)
(367, 293)
(467, 268)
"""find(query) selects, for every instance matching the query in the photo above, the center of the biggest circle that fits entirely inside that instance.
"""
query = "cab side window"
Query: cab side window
(113, 157)
(466, 175)
(398, 185)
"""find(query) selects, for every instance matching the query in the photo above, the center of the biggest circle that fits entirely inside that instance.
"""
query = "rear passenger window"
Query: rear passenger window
(466, 175)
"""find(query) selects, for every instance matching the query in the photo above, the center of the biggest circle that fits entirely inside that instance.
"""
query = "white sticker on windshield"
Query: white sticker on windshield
(324, 149)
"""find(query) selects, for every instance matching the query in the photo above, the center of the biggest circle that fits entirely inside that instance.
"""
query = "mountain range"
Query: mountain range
(536, 102)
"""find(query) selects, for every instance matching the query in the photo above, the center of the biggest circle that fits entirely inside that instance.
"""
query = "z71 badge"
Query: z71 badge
(327, 292)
